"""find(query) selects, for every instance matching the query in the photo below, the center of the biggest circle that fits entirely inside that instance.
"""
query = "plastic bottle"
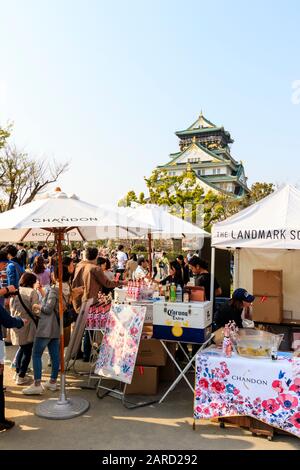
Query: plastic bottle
(178, 293)
(173, 292)
(138, 291)
(167, 292)
(186, 296)
(227, 344)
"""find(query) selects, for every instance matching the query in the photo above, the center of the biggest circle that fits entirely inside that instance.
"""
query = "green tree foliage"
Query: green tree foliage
(4, 135)
(187, 199)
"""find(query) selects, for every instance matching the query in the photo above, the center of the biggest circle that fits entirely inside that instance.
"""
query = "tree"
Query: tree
(22, 177)
(186, 198)
(4, 135)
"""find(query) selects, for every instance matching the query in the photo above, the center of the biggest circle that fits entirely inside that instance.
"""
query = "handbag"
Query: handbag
(33, 317)
(70, 316)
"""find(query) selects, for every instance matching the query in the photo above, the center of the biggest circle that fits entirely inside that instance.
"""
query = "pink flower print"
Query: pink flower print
(217, 387)
(287, 401)
(226, 371)
(133, 331)
(236, 391)
(198, 392)
(295, 420)
(206, 411)
(277, 385)
(203, 383)
(198, 409)
(270, 405)
(214, 406)
(295, 387)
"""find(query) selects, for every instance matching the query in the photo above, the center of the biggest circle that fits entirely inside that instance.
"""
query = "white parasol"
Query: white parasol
(57, 216)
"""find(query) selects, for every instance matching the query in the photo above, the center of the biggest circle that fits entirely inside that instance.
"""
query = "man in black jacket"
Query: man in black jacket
(8, 322)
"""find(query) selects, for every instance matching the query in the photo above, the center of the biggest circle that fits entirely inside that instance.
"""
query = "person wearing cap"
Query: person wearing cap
(234, 309)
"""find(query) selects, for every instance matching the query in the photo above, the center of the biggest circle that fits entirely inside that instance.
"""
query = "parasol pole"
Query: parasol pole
(59, 237)
(63, 407)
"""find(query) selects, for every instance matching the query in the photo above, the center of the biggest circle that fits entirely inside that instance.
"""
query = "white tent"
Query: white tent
(164, 225)
(266, 235)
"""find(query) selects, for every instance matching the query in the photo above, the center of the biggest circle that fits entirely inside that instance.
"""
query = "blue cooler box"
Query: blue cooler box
(182, 322)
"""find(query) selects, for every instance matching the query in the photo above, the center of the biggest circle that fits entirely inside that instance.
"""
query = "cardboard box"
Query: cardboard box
(167, 373)
(147, 332)
(151, 353)
(144, 381)
(268, 283)
(267, 309)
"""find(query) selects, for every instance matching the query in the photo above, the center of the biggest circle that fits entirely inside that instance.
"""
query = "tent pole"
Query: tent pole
(236, 275)
(212, 273)
(150, 252)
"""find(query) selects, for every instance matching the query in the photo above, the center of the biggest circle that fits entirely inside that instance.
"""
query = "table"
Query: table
(260, 388)
(182, 371)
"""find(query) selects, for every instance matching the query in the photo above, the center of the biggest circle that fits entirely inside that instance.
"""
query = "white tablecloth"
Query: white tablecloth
(261, 388)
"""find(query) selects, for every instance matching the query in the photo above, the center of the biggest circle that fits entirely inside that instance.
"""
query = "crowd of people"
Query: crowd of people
(29, 300)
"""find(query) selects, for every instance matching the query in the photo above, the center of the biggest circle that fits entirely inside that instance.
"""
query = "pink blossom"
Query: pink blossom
(217, 387)
(287, 401)
(203, 383)
(277, 385)
(214, 406)
(295, 387)
(270, 405)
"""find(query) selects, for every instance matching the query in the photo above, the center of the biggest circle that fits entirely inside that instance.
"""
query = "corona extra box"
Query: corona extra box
(183, 322)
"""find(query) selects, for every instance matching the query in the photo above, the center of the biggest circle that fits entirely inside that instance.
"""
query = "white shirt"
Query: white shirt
(122, 259)
(139, 273)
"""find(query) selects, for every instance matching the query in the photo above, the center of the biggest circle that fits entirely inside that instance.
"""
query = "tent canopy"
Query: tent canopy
(273, 222)
(164, 225)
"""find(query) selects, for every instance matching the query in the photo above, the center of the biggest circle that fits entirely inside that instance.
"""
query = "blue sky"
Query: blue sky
(106, 84)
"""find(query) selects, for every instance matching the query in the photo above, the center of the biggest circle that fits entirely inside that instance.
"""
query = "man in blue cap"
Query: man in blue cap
(233, 310)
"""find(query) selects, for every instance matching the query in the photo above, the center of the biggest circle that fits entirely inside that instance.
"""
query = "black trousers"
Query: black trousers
(23, 359)
(2, 403)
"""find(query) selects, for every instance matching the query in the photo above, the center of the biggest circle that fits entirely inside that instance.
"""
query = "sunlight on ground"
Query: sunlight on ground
(164, 422)
(20, 399)
(28, 428)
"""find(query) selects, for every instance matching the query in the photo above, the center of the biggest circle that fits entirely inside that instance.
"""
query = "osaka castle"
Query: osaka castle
(205, 148)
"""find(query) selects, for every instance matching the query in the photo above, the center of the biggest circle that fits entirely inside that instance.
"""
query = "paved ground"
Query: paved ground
(108, 425)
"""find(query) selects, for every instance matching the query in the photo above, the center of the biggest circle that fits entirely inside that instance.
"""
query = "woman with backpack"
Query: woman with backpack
(47, 335)
(22, 306)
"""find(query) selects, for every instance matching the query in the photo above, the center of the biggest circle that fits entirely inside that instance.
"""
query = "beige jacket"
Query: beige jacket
(92, 278)
(26, 334)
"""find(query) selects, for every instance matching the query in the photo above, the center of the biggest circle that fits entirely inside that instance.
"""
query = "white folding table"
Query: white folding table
(184, 371)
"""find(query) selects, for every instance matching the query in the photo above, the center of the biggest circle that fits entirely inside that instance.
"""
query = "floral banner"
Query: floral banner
(120, 342)
(261, 388)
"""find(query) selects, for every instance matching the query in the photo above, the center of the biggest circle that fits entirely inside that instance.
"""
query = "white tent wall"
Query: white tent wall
(286, 260)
